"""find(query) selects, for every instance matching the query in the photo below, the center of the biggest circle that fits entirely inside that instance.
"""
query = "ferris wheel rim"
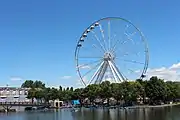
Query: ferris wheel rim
(146, 52)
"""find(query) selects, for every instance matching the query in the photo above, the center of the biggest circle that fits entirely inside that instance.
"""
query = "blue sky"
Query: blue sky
(38, 37)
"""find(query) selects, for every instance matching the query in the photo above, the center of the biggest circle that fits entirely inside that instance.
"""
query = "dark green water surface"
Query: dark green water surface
(166, 113)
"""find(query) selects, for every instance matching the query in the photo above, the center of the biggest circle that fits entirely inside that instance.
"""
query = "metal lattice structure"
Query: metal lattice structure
(104, 49)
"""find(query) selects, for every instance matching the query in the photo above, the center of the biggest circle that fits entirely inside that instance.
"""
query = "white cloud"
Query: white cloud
(137, 71)
(15, 78)
(66, 77)
(166, 73)
(175, 66)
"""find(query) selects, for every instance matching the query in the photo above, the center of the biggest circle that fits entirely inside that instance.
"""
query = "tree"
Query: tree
(32, 94)
(142, 89)
(177, 86)
(39, 94)
(53, 93)
(173, 90)
(92, 91)
(156, 89)
(27, 84)
(105, 92)
(47, 94)
(67, 94)
(117, 91)
(78, 94)
(38, 84)
(71, 89)
(60, 93)
(60, 88)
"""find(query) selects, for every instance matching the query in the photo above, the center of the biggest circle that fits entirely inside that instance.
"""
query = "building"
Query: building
(13, 94)
(56, 103)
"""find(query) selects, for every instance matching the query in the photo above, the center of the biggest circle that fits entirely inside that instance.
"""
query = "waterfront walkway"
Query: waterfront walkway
(22, 104)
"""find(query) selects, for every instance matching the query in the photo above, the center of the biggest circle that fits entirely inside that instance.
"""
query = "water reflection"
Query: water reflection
(167, 113)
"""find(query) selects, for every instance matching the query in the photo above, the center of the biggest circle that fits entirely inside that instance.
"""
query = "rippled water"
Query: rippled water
(166, 113)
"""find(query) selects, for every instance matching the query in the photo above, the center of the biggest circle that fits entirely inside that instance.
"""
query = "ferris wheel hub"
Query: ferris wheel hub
(108, 56)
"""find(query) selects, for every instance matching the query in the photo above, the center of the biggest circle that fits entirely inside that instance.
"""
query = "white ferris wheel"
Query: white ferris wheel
(111, 49)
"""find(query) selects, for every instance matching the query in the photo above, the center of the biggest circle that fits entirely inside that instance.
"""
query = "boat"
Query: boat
(74, 104)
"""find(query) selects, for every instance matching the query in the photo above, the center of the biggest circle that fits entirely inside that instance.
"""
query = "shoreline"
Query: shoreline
(152, 106)
(114, 107)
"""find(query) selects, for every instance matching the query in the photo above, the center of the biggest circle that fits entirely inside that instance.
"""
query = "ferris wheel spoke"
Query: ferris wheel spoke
(129, 38)
(89, 71)
(133, 33)
(102, 47)
(98, 74)
(119, 74)
(102, 34)
(128, 53)
(123, 42)
(126, 32)
(95, 46)
(131, 61)
(126, 28)
(117, 42)
(113, 72)
(90, 57)
(129, 35)
(109, 34)
(87, 65)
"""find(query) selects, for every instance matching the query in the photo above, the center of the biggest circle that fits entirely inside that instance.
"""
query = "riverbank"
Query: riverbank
(152, 106)
(110, 107)
(133, 107)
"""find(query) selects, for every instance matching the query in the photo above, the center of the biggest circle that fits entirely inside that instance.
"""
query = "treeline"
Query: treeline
(154, 89)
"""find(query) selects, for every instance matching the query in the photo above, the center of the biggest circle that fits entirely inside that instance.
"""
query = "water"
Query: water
(166, 113)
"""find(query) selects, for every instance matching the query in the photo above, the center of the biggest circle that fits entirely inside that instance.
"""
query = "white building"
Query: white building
(12, 94)
(56, 103)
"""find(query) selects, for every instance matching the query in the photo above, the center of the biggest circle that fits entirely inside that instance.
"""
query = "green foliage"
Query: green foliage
(117, 91)
(155, 89)
(92, 91)
(27, 84)
(38, 84)
(31, 94)
(32, 84)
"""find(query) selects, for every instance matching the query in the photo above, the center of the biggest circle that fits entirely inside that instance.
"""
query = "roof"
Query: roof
(13, 88)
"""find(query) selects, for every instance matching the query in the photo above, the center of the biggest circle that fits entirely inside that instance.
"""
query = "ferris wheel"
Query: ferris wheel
(111, 49)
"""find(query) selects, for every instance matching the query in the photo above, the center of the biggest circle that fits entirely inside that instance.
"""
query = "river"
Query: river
(164, 113)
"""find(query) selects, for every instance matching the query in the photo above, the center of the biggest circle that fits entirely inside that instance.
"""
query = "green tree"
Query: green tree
(142, 89)
(27, 84)
(32, 94)
(78, 94)
(105, 92)
(117, 91)
(38, 84)
(71, 89)
(39, 94)
(60, 88)
(156, 89)
(60, 93)
(47, 94)
(53, 93)
(92, 92)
